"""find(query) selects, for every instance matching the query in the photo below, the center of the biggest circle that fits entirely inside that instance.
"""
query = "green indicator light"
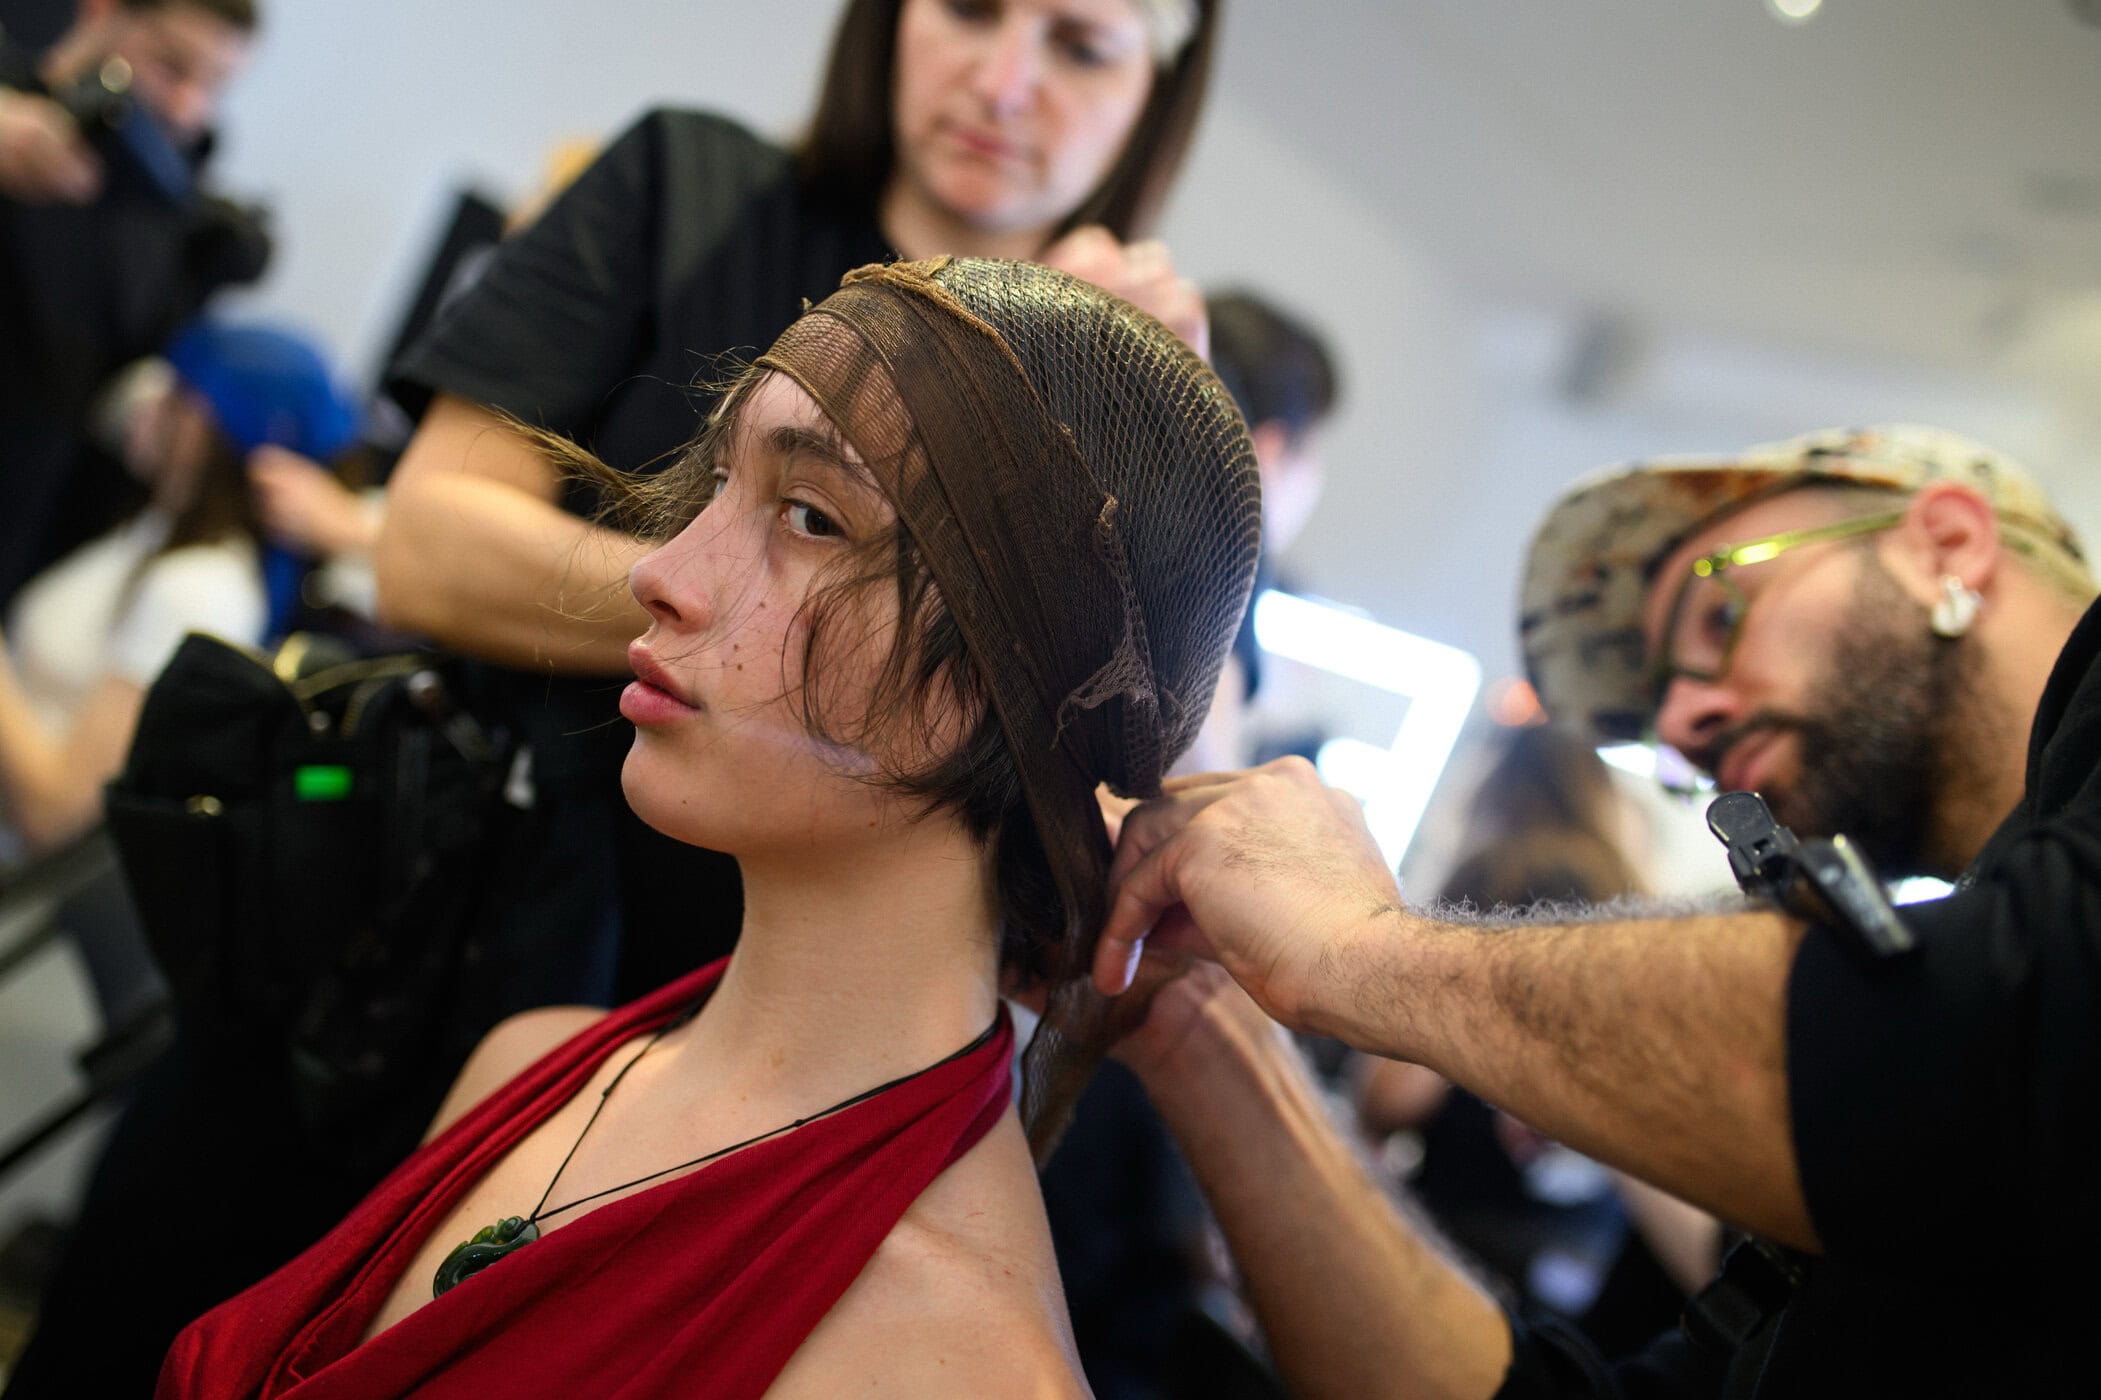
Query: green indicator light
(321, 782)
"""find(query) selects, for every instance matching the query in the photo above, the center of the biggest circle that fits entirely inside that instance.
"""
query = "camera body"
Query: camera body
(126, 133)
(1828, 882)
(229, 242)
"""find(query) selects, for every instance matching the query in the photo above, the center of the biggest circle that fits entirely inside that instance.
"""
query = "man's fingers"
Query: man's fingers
(1138, 897)
(1116, 964)
(41, 154)
(1146, 260)
(1089, 252)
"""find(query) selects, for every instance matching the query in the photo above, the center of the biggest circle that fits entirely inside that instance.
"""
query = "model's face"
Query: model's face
(722, 756)
(182, 58)
(1009, 113)
(1835, 705)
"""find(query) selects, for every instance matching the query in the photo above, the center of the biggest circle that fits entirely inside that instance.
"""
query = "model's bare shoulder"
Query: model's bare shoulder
(962, 1299)
(504, 1053)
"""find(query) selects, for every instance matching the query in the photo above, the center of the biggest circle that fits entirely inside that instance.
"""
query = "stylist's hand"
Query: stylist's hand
(1186, 1015)
(43, 159)
(1268, 872)
(1142, 273)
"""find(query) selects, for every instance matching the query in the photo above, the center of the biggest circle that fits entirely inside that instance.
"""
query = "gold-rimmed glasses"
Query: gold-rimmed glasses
(1707, 613)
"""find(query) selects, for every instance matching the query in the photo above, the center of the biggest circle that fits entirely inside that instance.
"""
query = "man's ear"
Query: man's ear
(1949, 529)
(94, 14)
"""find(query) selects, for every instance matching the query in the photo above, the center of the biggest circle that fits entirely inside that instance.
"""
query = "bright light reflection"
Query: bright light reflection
(1439, 683)
(1669, 768)
(1918, 888)
(1794, 11)
(1638, 759)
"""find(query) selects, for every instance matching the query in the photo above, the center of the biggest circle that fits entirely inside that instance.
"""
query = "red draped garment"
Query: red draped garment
(704, 1284)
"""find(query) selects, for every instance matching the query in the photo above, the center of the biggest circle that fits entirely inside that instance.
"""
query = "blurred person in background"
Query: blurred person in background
(107, 242)
(86, 637)
(1282, 373)
(1855, 624)
(1283, 376)
(83, 641)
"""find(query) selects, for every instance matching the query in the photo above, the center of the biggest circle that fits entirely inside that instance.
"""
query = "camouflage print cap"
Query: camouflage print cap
(1592, 560)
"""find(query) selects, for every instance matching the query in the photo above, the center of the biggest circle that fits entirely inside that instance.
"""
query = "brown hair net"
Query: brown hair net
(1081, 490)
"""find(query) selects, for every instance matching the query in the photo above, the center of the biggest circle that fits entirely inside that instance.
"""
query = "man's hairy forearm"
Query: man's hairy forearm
(1353, 1302)
(485, 568)
(1654, 1045)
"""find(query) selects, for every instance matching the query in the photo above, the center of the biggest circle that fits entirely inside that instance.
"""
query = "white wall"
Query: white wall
(360, 115)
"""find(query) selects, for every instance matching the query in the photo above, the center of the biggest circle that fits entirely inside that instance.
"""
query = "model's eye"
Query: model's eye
(806, 519)
(1082, 49)
(712, 486)
(1720, 619)
(978, 10)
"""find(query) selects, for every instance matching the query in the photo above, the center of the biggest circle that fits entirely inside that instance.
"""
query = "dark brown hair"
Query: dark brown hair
(223, 505)
(244, 15)
(1277, 367)
(849, 151)
(926, 673)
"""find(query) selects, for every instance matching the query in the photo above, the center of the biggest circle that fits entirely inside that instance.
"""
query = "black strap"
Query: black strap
(1736, 1317)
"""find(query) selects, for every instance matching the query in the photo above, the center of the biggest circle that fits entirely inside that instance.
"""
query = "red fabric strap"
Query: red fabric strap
(703, 1284)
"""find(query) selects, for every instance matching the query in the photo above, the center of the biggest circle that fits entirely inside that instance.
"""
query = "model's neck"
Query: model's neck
(918, 228)
(854, 967)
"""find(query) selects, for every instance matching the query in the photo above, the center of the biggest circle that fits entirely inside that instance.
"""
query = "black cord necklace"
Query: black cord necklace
(513, 1233)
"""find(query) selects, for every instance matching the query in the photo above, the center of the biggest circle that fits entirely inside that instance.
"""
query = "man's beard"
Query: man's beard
(1889, 735)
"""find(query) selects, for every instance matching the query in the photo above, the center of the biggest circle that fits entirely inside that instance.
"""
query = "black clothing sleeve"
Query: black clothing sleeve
(1552, 1360)
(608, 319)
(1943, 1102)
(555, 321)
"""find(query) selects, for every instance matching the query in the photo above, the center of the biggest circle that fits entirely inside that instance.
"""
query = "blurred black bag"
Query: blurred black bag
(308, 848)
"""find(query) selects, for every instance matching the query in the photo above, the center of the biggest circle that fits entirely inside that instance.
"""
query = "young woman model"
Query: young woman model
(976, 538)
(1045, 129)
(985, 125)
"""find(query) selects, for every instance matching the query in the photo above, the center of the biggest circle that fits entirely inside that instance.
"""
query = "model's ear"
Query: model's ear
(1948, 531)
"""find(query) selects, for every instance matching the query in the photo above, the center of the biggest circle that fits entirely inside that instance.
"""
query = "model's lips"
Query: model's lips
(653, 678)
(984, 144)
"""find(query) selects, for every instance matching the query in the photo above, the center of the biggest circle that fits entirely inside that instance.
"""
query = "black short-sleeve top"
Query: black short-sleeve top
(689, 239)
(1946, 1105)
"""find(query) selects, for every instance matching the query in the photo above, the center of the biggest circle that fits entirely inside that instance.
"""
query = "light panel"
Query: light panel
(1439, 683)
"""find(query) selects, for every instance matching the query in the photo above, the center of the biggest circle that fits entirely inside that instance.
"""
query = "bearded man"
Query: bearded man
(1858, 625)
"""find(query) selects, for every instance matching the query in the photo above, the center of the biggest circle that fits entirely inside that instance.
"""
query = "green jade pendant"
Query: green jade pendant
(490, 1243)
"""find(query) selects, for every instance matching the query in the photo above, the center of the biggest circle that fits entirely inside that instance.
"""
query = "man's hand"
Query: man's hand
(1142, 273)
(1269, 872)
(1190, 1005)
(42, 157)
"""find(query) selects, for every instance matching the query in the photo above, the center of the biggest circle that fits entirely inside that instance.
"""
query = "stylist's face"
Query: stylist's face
(1010, 112)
